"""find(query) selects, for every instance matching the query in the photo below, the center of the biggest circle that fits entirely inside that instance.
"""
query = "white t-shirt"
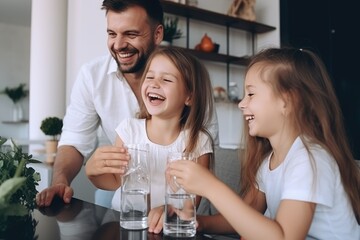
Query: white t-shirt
(99, 97)
(134, 131)
(298, 178)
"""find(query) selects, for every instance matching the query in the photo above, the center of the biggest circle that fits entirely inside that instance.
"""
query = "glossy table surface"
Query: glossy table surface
(81, 220)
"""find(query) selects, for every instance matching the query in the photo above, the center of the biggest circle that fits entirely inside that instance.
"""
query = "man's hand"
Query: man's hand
(45, 197)
(155, 219)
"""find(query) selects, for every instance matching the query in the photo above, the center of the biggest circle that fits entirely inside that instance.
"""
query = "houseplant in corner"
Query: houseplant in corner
(171, 30)
(17, 192)
(51, 126)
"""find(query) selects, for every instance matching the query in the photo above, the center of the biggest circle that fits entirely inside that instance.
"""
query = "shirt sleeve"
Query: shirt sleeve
(123, 130)
(81, 119)
(311, 179)
(204, 145)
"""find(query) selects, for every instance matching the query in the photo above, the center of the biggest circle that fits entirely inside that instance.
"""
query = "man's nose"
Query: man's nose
(120, 43)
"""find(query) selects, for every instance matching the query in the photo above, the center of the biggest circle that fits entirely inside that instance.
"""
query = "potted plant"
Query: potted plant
(16, 94)
(51, 126)
(171, 30)
(17, 191)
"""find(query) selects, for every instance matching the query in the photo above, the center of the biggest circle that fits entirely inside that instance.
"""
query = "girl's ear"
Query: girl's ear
(188, 101)
(286, 108)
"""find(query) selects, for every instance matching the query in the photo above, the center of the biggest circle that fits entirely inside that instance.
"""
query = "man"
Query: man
(106, 91)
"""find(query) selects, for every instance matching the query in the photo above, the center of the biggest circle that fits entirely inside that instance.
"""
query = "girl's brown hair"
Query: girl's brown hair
(196, 117)
(317, 115)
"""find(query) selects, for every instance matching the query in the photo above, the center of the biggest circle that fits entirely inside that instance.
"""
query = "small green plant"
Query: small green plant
(52, 126)
(171, 30)
(17, 93)
(17, 184)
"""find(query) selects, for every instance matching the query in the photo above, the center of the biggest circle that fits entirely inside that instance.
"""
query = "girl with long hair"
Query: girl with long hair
(299, 179)
(177, 104)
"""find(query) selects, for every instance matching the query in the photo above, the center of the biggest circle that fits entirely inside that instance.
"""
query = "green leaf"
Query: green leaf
(21, 189)
(34, 161)
(13, 210)
(2, 140)
(10, 186)
(20, 168)
(37, 177)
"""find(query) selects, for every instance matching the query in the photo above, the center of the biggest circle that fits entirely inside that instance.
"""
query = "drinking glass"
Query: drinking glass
(135, 189)
(180, 209)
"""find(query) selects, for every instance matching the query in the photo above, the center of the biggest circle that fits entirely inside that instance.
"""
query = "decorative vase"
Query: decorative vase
(17, 112)
(51, 149)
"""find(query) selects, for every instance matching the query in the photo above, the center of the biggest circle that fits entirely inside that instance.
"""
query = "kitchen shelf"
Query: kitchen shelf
(216, 57)
(215, 18)
(15, 122)
(190, 12)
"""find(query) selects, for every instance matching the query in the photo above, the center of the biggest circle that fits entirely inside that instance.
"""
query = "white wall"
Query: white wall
(86, 36)
(14, 69)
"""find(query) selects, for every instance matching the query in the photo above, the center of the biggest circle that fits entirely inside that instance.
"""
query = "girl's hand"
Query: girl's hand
(108, 159)
(191, 176)
(156, 219)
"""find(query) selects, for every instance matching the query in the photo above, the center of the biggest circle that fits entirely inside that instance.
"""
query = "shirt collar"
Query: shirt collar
(112, 66)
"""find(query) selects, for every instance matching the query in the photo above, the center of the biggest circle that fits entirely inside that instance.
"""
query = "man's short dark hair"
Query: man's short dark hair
(153, 8)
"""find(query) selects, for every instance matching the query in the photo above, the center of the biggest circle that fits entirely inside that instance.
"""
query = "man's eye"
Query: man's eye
(111, 34)
(132, 35)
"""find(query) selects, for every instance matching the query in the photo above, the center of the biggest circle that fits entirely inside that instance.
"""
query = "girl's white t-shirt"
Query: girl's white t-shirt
(318, 181)
(133, 130)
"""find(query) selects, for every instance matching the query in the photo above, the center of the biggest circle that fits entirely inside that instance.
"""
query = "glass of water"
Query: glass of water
(180, 208)
(135, 189)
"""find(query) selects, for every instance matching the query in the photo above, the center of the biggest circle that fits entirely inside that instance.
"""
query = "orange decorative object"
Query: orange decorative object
(206, 44)
(197, 47)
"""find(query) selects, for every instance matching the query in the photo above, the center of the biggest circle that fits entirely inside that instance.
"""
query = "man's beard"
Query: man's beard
(124, 68)
(137, 66)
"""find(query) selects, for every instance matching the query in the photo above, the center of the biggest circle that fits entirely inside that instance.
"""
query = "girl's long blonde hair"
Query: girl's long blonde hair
(302, 75)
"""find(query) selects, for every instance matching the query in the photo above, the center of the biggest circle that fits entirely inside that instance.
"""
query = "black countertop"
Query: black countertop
(79, 220)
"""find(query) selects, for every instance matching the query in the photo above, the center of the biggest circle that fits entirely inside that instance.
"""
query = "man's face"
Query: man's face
(131, 38)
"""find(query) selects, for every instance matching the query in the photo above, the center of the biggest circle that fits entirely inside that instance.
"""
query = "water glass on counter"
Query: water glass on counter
(180, 209)
(135, 189)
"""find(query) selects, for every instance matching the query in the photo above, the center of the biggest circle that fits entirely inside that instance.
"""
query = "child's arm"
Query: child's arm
(217, 224)
(292, 221)
(106, 165)
(203, 160)
(214, 224)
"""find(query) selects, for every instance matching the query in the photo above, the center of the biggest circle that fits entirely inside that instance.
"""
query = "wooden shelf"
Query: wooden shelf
(219, 19)
(215, 18)
(15, 122)
(216, 57)
(229, 22)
